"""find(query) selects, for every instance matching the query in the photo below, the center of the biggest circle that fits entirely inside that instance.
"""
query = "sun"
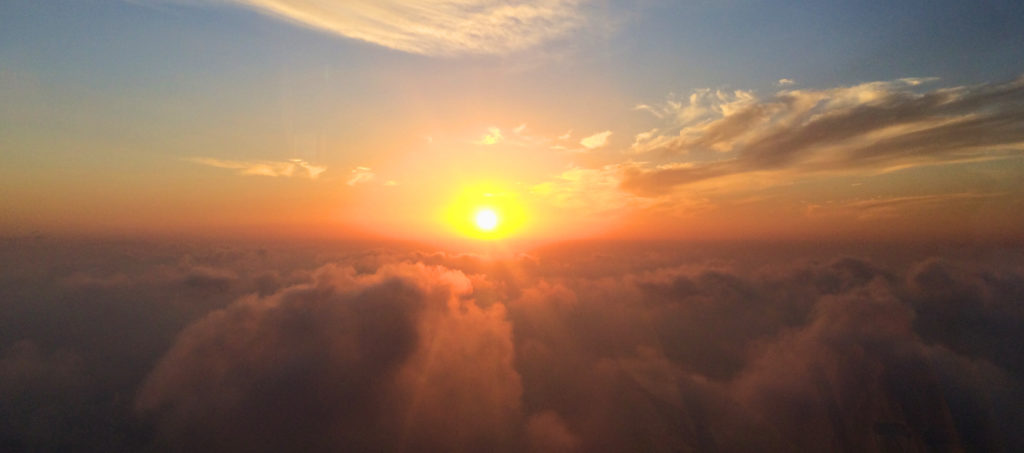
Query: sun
(486, 211)
(486, 219)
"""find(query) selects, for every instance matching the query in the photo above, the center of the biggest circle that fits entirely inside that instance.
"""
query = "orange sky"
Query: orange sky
(581, 120)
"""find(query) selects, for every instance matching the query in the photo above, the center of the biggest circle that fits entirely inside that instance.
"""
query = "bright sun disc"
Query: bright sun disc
(486, 219)
(486, 212)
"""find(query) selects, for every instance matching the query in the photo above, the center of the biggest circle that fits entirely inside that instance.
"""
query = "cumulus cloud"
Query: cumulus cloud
(345, 347)
(573, 347)
(872, 127)
(289, 168)
(434, 27)
(596, 141)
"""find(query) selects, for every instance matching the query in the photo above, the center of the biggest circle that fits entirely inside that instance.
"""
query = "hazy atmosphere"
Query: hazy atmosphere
(501, 225)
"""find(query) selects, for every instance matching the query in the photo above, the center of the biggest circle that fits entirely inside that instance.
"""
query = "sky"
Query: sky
(545, 226)
(570, 118)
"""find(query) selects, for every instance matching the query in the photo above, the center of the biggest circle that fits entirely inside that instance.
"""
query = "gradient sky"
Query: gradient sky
(690, 120)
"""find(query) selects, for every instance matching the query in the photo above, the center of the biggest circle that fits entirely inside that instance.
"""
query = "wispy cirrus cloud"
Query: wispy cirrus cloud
(361, 175)
(894, 207)
(518, 136)
(435, 27)
(289, 168)
(872, 127)
(365, 175)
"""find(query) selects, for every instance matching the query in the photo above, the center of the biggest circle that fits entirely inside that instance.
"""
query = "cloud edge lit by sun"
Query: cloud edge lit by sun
(434, 28)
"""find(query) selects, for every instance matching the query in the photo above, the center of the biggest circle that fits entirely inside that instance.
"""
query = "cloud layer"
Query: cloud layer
(433, 27)
(580, 347)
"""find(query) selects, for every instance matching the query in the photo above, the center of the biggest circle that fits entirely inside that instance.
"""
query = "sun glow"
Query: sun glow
(486, 211)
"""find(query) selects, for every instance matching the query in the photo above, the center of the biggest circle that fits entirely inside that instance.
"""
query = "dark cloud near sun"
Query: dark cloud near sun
(579, 347)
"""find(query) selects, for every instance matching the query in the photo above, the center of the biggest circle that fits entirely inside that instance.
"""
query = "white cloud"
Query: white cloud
(700, 106)
(435, 27)
(785, 82)
(360, 175)
(291, 167)
(644, 137)
(596, 141)
(649, 109)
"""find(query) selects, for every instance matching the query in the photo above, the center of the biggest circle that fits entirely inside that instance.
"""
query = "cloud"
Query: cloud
(649, 109)
(289, 168)
(365, 175)
(579, 188)
(895, 207)
(785, 82)
(81, 280)
(644, 137)
(702, 104)
(597, 140)
(594, 346)
(521, 136)
(546, 432)
(360, 175)
(869, 128)
(209, 279)
(434, 27)
(338, 365)
(492, 137)
(405, 339)
(828, 355)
